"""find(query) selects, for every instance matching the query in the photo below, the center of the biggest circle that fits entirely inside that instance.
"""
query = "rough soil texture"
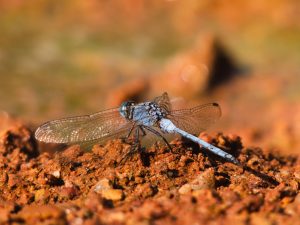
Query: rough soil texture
(156, 186)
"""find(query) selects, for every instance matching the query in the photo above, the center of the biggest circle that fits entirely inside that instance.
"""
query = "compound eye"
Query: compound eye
(125, 108)
(125, 105)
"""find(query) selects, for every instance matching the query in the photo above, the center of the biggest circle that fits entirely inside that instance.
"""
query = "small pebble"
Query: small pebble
(56, 174)
(39, 195)
(103, 184)
(205, 180)
(112, 194)
(106, 190)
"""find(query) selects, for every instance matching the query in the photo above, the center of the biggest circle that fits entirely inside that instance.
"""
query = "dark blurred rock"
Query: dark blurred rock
(196, 70)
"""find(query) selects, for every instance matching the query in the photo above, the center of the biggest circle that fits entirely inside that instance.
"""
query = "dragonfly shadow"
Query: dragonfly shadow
(187, 143)
(261, 175)
(145, 156)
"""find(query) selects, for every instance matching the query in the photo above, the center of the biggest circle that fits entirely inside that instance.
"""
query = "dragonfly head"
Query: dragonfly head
(126, 109)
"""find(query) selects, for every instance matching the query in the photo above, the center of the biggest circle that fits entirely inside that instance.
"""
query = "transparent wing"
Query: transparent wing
(101, 126)
(87, 145)
(197, 119)
(164, 101)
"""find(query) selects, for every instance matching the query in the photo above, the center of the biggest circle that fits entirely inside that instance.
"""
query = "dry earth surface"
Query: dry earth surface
(156, 186)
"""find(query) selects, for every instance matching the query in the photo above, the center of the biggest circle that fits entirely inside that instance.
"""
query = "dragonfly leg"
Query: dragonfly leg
(137, 137)
(130, 131)
(143, 131)
(134, 148)
(158, 134)
(126, 139)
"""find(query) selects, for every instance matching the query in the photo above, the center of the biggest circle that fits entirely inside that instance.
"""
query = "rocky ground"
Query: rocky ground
(157, 186)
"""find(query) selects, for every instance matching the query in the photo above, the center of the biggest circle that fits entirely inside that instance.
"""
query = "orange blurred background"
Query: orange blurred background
(75, 57)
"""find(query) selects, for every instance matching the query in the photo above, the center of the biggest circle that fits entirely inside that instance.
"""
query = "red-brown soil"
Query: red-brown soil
(156, 186)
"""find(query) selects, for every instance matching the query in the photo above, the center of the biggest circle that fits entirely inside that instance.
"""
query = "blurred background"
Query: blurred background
(72, 57)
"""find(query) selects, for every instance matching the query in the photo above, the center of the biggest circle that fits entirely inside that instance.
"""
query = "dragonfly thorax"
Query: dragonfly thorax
(147, 113)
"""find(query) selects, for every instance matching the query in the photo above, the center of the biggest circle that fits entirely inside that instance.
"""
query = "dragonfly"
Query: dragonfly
(136, 119)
